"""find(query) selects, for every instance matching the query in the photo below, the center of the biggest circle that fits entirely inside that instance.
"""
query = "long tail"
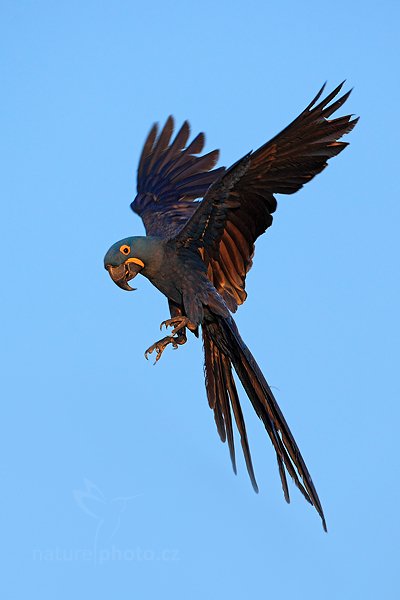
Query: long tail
(223, 347)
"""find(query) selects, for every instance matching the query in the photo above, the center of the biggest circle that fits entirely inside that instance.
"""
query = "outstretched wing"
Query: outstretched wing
(170, 177)
(283, 165)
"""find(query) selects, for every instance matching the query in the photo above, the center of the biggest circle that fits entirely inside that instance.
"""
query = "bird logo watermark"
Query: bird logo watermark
(107, 512)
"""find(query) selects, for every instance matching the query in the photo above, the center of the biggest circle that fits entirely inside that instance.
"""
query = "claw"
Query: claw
(160, 346)
(178, 323)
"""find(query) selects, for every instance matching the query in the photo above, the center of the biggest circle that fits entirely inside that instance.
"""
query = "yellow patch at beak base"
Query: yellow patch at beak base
(137, 261)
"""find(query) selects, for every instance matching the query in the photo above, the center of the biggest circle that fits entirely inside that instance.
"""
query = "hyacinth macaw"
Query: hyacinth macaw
(198, 253)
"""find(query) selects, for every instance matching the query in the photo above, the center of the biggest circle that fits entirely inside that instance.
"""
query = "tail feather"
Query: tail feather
(254, 392)
(257, 397)
(222, 396)
(211, 387)
(224, 346)
(240, 424)
(225, 406)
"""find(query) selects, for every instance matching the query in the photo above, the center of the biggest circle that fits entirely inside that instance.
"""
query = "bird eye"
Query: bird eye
(125, 249)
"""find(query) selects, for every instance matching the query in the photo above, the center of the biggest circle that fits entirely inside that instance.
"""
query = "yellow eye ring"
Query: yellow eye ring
(125, 249)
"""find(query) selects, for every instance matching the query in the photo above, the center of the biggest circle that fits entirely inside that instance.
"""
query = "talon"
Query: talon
(178, 323)
(160, 346)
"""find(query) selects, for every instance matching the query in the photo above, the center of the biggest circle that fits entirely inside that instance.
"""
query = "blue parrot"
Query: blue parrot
(198, 253)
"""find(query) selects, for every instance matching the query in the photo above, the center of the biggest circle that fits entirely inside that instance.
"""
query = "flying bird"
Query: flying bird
(201, 225)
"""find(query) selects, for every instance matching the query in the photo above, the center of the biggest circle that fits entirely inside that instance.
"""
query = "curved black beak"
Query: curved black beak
(124, 273)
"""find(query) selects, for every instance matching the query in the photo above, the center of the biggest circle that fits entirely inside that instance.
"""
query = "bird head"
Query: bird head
(123, 263)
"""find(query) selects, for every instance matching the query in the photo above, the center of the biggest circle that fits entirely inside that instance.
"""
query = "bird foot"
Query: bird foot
(178, 323)
(160, 346)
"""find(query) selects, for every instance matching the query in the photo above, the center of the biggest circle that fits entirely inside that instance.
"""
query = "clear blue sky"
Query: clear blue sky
(114, 482)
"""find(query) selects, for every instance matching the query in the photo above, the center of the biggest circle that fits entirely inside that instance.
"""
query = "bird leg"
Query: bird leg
(178, 323)
(178, 334)
(160, 346)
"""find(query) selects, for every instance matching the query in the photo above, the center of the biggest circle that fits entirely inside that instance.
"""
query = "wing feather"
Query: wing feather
(171, 176)
(282, 165)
